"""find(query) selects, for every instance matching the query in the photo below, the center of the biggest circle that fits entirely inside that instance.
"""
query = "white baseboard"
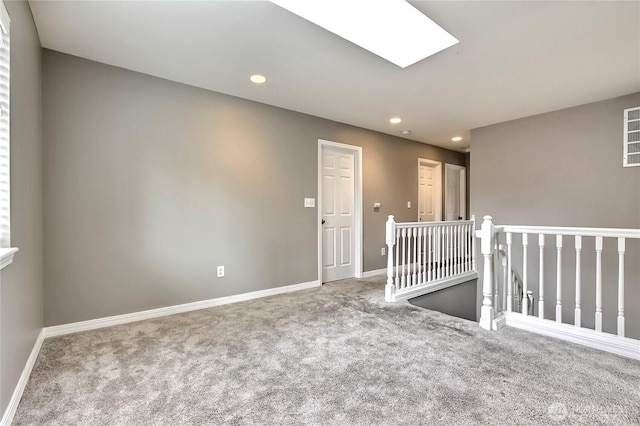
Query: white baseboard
(59, 330)
(623, 346)
(374, 273)
(432, 286)
(7, 418)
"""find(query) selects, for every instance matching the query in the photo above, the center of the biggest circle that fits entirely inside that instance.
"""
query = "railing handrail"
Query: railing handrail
(570, 231)
(428, 256)
(400, 225)
(491, 235)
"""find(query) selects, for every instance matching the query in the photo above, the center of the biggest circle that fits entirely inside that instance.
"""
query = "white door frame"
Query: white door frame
(463, 187)
(437, 165)
(357, 247)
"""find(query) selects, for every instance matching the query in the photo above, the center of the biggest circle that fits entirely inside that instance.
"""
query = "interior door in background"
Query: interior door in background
(455, 192)
(429, 190)
(338, 202)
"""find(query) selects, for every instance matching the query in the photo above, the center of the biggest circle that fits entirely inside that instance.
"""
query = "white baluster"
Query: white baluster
(458, 249)
(425, 254)
(440, 251)
(449, 250)
(452, 238)
(462, 231)
(469, 252)
(452, 256)
(414, 278)
(559, 278)
(598, 283)
(438, 243)
(541, 286)
(466, 252)
(509, 275)
(430, 255)
(397, 270)
(409, 235)
(621, 250)
(416, 256)
(487, 311)
(457, 246)
(452, 252)
(403, 278)
(504, 282)
(419, 256)
(525, 298)
(472, 242)
(390, 288)
(578, 310)
(445, 249)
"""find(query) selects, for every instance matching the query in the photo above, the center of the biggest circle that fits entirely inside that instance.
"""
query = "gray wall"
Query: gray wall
(149, 185)
(564, 168)
(21, 288)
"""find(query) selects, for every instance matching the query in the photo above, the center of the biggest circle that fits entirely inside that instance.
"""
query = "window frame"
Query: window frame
(6, 251)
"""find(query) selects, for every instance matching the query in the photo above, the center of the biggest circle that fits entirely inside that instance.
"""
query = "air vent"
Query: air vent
(631, 137)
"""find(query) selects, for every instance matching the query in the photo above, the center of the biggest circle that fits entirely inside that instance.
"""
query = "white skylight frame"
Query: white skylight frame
(391, 29)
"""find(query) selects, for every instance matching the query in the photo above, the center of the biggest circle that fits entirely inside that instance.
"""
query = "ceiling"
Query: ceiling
(514, 59)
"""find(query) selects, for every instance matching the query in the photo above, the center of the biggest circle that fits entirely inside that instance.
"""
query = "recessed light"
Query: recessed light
(395, 120)
(456, 139)
(391, 29)
(406, 132)
(258, 79)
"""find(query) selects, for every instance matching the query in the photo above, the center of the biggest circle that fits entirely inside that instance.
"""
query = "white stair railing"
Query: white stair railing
(522, 316)
(427, 256)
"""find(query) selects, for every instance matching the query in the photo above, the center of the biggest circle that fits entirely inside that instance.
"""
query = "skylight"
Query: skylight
(392, 29)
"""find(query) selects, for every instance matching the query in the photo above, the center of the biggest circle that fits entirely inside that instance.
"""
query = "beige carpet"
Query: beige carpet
(336, 355)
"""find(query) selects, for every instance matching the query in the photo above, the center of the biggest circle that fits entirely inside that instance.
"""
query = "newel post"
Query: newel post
(487, 250)
(390, 288)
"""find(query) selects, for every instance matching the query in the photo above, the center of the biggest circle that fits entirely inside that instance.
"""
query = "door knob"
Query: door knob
(323, 221)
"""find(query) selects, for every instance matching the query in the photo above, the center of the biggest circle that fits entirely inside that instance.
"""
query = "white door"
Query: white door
(429, 190)
(338, 202)
(455, 195)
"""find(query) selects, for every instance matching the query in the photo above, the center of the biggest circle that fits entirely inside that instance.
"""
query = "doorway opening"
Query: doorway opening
(429, 190)
(455, 200)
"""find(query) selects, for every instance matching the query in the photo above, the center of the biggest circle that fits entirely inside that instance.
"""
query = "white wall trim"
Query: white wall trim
(10, 412)
(374, 273)
(359, 222)
(59, 330)
(6, 256)
(623, 346)
(433, 286)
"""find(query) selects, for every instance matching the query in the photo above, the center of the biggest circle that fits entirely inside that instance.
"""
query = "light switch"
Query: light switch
(309, 202)
(376, 205)
(408, 204)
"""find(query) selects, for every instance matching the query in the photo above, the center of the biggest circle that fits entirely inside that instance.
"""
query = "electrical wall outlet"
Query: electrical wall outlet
(383, 251)
(220, 271)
